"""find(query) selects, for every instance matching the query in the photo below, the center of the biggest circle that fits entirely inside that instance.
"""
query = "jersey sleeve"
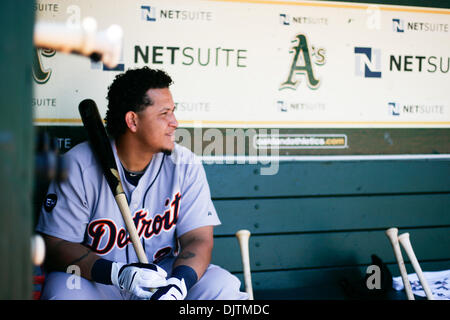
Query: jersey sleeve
(196, 209)
(65, 211)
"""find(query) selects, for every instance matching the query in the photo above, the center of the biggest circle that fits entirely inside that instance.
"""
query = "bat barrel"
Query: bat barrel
(100, 143)
(101, 147)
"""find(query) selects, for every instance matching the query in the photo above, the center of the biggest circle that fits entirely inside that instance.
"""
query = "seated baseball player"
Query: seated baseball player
(169, 199)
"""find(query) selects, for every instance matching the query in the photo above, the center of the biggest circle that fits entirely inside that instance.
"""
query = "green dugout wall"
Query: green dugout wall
(16, 149)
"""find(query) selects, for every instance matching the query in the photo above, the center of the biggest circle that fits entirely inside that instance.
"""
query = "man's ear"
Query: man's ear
(131, 121)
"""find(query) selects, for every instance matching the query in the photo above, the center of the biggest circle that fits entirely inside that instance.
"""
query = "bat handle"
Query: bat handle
(392, 234)
(243, 238)
(406, 243)
(129, 223)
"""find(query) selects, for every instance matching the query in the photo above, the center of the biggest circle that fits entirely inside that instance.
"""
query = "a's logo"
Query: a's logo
(302, 64)
(367, 62)
(394, 108)
(50, 202)
(40, 74)
(397, 25)
(148, 13)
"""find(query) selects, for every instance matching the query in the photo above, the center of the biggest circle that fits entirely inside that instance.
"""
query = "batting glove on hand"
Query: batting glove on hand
(175, 290)
(138, 278)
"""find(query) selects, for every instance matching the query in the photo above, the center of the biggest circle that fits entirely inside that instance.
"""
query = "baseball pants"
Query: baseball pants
(216, 284)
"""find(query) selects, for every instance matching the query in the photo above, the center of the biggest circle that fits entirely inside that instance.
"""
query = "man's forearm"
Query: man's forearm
(61, 254)
(197, 255)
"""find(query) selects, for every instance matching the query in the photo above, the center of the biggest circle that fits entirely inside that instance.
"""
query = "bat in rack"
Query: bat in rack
(102, 149)
(243, 237)
(406, 243)
(392, 234)
(404, 240)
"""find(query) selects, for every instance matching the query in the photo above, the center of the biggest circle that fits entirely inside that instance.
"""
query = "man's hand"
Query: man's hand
(138, 278)
(175, 290)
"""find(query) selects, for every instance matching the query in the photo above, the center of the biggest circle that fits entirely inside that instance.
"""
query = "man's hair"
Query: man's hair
(128, 93)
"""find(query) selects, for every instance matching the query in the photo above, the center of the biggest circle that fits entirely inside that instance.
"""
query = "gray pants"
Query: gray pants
(216, 284)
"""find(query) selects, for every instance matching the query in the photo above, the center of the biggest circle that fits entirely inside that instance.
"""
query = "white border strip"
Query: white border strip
(256, 159)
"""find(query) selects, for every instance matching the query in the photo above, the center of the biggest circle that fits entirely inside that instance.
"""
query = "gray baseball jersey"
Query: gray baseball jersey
(171, 198)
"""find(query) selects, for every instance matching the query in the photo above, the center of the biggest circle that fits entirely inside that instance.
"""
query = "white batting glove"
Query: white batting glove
(175, 290)
(138, 278)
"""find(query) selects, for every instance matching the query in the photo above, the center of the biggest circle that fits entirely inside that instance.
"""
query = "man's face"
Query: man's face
(157, 123)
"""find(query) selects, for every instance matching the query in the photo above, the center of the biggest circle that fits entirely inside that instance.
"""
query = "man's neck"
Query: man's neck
(133, 157)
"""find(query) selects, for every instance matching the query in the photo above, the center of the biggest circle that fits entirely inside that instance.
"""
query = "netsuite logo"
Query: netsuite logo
(367, 62)
(148, 13)
(400, 26)
(397, 109)
(295, 106)
(284, 19)
(394, 108)
(151, 13)
(287, 20)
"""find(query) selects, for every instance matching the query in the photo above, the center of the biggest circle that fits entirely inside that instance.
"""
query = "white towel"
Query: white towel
(438, 281)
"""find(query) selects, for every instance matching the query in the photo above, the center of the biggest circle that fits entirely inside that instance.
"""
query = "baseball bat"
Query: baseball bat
(406, 243)
(101, 147)
(392, 234)
(85, 39)
(243, 238)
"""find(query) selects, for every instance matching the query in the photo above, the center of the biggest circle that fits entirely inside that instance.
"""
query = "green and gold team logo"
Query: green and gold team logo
(40, 74)
(303, 59)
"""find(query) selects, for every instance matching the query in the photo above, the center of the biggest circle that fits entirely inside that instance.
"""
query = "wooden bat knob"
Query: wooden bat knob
(243, 234)
(392, 233)
(404, 239)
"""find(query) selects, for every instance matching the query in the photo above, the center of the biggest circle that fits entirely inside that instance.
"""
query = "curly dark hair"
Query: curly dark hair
(127, 93)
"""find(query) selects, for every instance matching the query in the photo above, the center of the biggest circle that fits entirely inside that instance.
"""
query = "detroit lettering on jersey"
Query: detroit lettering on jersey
(147, 228)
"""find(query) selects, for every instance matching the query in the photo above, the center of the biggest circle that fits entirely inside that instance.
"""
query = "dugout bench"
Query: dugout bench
(315, 223)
